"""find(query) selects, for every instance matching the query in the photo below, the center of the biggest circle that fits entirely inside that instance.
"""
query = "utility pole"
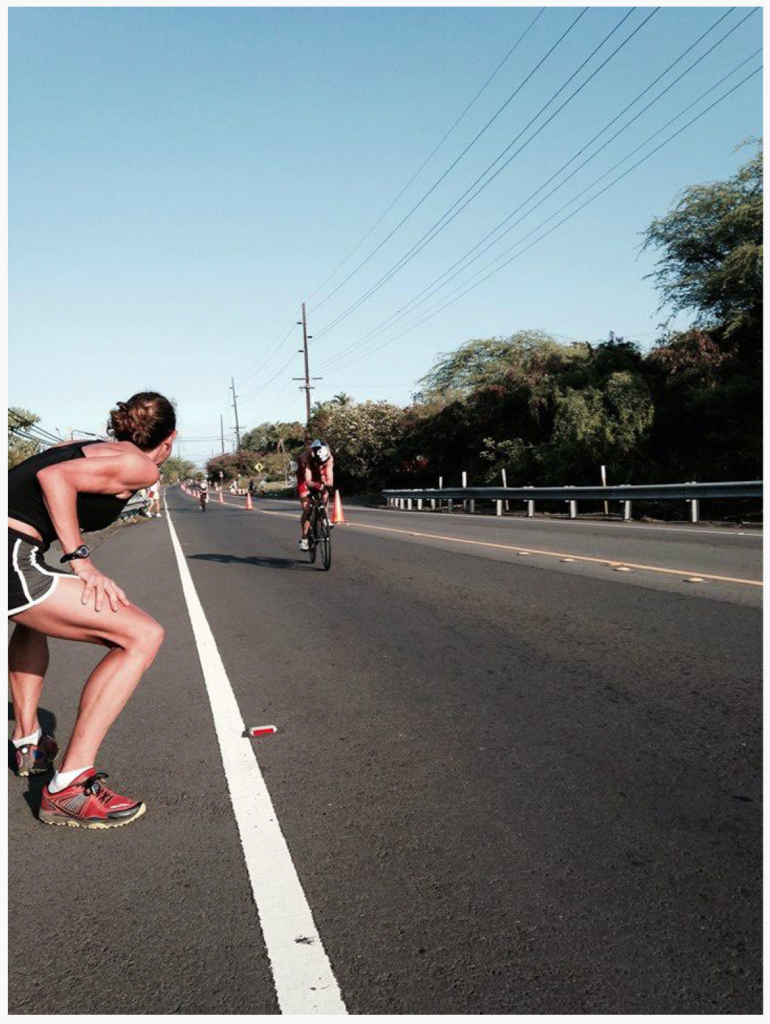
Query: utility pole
(306, 387)
(222, 432)
(237, 427)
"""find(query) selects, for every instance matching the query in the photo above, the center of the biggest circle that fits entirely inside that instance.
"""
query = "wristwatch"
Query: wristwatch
(81, 552)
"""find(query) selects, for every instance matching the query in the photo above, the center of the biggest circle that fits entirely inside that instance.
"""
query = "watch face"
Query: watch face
(83, 551)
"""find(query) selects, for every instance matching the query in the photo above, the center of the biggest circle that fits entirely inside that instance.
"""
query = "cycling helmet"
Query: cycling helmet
(320, 451)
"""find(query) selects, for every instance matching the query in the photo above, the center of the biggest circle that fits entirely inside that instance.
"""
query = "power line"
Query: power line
(438, 227)
(454, 163)
(430, 156)
(274, 401)
(413, 302)
(563, 221)
(32, 427)
(510, 52)
(247, 398)
(436, 311)
(432, 288)
(273, 352)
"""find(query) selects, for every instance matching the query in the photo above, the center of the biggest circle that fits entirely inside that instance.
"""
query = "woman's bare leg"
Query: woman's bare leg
(103, 698)
(134, 638)
(27, 665)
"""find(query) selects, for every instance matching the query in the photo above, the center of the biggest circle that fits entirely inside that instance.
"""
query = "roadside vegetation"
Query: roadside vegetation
(549, 412)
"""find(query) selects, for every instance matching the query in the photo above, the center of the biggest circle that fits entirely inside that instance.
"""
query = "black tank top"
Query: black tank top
(25, 496)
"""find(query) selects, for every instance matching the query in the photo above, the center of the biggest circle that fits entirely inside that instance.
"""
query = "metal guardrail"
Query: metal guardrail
(626, 493)
(134, 506)
(620, 492)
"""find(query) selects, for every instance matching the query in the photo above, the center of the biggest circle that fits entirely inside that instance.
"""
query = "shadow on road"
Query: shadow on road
(264, 562)
(35, 783)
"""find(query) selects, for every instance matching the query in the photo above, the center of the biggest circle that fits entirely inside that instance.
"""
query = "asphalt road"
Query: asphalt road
(508, 783)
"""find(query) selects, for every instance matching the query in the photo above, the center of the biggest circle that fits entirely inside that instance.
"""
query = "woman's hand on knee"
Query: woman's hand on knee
(100, 586)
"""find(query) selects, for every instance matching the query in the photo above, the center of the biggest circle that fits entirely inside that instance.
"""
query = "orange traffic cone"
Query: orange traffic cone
(249, 502)
(338, 516)
(221, 497)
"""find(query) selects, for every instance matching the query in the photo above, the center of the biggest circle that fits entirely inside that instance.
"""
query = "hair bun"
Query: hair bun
(146, 420)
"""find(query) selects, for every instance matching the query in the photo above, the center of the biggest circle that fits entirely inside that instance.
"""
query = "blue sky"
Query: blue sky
(182, 178)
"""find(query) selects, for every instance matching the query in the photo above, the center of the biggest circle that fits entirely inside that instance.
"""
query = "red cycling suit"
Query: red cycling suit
(319, 474)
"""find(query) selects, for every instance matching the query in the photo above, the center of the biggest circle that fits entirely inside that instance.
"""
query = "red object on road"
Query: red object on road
(262, 730)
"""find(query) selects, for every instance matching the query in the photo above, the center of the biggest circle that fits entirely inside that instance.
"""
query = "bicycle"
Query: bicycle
(203, 500)
(319, 535)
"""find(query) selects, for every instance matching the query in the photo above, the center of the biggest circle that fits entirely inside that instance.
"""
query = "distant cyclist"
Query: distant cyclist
(203, 493)
(315, 472)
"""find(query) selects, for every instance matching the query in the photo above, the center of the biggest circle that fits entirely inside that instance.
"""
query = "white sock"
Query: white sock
(29, 741)
(63, 779)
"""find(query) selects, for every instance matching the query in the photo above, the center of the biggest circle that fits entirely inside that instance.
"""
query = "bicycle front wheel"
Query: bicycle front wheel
(312, 539)
(325, 543)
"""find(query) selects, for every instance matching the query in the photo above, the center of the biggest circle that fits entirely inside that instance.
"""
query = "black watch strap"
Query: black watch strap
(81, 552)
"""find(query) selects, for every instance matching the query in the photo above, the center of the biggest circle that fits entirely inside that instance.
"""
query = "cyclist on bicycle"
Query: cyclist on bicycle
(315, 472)
(203, 492)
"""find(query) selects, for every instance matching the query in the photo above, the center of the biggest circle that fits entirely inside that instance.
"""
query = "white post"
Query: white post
(626, 510)
(409, 504)
(472, 506)
(433, 504)
(465, 484)
(694, 510)
(505, 484)
(450, 505)
(573, 509)
(440, 487)
(499, 508)
(419, 504)
(604, 484)
(530, 509)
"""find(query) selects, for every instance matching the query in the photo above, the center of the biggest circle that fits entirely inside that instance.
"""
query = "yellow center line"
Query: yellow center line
(533, 551)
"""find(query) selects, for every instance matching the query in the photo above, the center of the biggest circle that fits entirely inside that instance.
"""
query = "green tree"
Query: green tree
(175, 469)
(273, 437)
(20, 447)
(227, 465)
(365, 439)
(493, 361)
(600, 424)
(711, 244)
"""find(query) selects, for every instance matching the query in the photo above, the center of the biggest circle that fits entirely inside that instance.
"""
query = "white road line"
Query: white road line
(303, 977)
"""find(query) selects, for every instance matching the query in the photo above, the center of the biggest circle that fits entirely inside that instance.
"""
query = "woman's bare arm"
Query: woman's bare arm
(111, 474)
(107, 474)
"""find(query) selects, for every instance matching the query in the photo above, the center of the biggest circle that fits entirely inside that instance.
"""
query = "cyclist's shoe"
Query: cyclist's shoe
(87, 803)
(36, 758)
(304, 544)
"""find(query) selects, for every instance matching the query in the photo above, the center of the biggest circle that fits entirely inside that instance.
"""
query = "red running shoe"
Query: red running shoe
(36, 758)
(87, 803)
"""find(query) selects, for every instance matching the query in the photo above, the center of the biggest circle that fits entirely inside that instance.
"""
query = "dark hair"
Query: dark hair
(147, 418)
